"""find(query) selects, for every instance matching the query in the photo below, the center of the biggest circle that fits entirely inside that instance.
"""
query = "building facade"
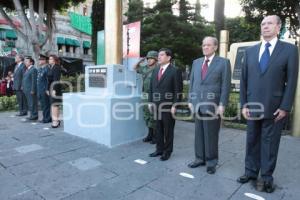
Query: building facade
(69, 40)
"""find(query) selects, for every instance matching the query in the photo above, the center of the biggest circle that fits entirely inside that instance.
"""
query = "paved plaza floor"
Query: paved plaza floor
(37, 162)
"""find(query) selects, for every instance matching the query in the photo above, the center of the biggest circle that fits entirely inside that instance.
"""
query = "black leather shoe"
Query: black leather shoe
(33, 118)
(152, 141)
(269, 187)
(195, 164)
(211, 170)
(155, 154)
(147, 139)
(245, 179)
(165, 156)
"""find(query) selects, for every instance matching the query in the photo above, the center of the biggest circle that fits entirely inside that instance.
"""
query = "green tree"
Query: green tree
(97, 19)
(163, 29)
(241, 31)
(197, 13)
(286, 9)
(135, 11)
(184, 10)
(219, 16)
(164, 6)
(34, 14)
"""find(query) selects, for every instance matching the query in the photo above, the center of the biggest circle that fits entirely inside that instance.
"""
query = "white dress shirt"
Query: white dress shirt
(209, 58)
(271, 48)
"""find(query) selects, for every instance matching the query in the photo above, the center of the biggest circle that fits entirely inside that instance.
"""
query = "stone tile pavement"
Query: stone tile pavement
(37, 163)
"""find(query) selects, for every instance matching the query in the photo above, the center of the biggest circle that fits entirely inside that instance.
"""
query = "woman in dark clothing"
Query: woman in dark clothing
(54, 89)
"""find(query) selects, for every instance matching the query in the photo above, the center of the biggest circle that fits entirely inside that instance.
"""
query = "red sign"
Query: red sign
(131, 40)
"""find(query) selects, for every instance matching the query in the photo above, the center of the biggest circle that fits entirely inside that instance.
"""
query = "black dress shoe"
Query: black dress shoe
(211, 170)
(245, 179)
(21, 114)
(195, 164)
(155, 154)
(152, 142)
(269, 188)
(147, 139)
(33, 118)
(165, 156)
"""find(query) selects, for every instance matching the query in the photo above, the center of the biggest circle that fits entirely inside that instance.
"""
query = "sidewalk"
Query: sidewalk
(37, 162)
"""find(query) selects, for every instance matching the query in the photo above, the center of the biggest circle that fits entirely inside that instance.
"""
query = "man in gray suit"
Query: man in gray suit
(208, 95)
(267, 91)
(29, 86)
(17, 85)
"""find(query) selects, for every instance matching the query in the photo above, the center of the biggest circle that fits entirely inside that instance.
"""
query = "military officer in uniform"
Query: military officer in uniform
(146, 71)
(42, 86)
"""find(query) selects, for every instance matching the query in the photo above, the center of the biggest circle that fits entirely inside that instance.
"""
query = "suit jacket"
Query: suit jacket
(29, 83)
(275, 88)
(53, 75)
(214, 89)
(167, 89)
(18, 76)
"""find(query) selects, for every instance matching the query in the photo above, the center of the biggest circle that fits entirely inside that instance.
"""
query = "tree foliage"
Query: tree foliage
(185, 10)
(241, 31)
(286, 9)
(161, 28)
(135, 11)
(97, 18)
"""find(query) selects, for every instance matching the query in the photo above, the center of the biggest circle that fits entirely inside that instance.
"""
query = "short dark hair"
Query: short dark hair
(30, 59)
(167, 51)
(21, 57)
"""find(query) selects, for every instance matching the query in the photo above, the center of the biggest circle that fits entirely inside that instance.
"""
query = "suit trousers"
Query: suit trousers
(32, 104)
(22, 102)
(44, 100)
(165, 133)
(207, 138)
(263, 138)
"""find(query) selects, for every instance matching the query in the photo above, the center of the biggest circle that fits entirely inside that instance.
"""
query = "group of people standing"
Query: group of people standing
(267, 90)
(38, 84)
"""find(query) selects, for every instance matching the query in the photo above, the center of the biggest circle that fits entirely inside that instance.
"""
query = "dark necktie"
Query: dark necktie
(204, 69)
(160, 73)
(264, 59)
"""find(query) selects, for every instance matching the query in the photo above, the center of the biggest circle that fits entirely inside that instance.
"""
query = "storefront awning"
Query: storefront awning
(69, 42)
(76, 43)
(60, 40)
(86, 44)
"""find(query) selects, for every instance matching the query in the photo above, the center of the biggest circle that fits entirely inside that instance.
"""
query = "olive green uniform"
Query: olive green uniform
(146, 73)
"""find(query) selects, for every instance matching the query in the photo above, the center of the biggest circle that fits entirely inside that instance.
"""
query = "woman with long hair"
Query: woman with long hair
(54, 89)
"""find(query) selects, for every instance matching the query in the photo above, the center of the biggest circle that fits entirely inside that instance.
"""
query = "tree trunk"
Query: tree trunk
(219, 16)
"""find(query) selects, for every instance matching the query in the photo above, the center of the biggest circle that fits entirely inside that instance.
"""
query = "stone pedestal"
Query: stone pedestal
(109, 112)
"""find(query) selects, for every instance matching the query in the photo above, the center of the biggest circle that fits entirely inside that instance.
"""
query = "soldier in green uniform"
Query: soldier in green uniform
(146, 71)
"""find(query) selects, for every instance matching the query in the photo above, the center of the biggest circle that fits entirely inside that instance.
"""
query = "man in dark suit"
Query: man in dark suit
(267, 90)
(42, 87)
(163, 93)
(208, 95)
(17, 85)
(29, 86)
